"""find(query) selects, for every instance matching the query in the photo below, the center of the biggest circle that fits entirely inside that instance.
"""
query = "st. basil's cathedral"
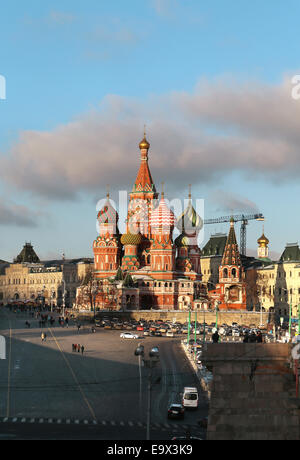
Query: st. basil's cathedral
(146, 267)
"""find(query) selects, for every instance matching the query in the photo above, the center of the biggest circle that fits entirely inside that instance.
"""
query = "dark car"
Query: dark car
(158, 334)
(176, 411)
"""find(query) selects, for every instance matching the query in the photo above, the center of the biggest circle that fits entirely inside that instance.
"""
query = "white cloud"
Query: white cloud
(232, 202)
(12, 214)
(195, 138)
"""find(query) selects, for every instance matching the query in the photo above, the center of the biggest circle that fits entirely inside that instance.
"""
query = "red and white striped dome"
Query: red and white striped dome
(162, 216)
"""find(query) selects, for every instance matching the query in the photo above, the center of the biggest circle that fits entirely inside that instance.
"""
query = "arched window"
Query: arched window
(149, 260)
(233, 273)
(225, 273)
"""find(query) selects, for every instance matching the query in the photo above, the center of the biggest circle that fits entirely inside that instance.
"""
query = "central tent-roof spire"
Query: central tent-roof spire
(144, 181)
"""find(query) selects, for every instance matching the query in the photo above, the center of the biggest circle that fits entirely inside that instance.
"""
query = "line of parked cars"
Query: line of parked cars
(154, 328)
(168, 328)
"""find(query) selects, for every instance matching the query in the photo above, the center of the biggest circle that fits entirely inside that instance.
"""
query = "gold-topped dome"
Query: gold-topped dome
(144, 145)
(263, 240)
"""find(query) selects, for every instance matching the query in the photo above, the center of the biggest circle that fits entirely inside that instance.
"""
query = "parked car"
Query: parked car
(128, 335)
(170, 334)
(176, 411)
(235, 333)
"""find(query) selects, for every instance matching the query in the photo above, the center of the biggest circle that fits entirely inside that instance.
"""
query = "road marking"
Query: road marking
(74, 376)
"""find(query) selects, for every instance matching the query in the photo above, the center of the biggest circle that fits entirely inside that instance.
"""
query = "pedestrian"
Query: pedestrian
(259, 337)
(82, 349)
(216, 337)
(246, 338)
(67, 322)
(78, 327)
(252, 338)
(78, 347)
(75, 347)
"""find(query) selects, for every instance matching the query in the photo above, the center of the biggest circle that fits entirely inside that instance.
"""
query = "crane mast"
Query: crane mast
(244, 219)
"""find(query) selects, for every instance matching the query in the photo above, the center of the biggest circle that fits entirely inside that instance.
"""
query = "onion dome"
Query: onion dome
(182, 241)
(162, 216)
(189, 222)
(108, 214)
(144, 145)
(131, 239)
(263, 240)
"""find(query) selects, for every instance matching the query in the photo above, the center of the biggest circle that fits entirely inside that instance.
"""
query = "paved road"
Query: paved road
(46, 384)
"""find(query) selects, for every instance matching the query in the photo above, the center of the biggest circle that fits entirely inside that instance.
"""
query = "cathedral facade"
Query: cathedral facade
(146, 267)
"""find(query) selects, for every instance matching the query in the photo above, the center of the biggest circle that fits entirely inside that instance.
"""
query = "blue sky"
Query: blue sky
(84, 77)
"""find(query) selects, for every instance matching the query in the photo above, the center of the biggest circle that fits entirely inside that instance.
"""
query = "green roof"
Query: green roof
(215, 246)
(27, 255)
(291, 253)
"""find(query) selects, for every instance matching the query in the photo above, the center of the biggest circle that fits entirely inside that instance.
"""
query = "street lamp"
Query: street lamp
(150, 364)
(217, 312)
(94, 294)
(189, 325)
(261, 307)
(290, 310)
(52, 300)
(64, 297)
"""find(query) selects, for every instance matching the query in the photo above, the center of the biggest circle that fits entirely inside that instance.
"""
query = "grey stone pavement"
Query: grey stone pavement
(46, 384)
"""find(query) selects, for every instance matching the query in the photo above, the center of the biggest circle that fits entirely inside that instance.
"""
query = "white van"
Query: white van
(190, 398)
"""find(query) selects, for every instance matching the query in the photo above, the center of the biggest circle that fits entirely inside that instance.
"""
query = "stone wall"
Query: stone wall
(243, 317)
(253, 392)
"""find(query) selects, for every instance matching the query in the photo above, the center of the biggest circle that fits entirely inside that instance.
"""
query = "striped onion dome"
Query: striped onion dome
(131, 239)
(162, 216)
(189, 222)
(108, 214)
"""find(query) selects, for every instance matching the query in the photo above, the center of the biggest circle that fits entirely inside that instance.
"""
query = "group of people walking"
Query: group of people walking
(77, 348)
(253, 337)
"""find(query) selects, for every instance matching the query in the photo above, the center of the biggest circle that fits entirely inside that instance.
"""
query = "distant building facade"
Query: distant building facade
(30, 280)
